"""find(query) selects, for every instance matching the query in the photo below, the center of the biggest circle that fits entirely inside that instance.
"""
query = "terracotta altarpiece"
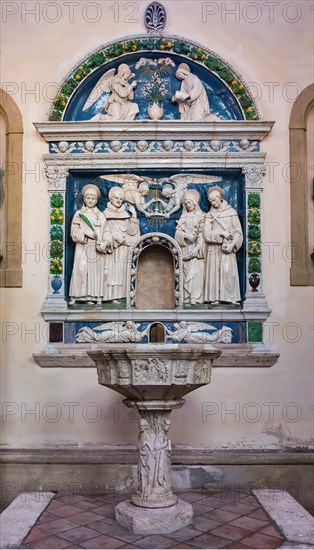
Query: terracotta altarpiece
(155, 175)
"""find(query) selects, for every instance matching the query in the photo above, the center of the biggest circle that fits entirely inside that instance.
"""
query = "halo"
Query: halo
(91, 188)
(216, 188)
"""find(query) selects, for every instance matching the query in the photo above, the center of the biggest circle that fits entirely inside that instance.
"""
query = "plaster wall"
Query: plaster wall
(250, 408)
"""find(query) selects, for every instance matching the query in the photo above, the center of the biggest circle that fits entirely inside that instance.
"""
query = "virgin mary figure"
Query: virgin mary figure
(189, 235)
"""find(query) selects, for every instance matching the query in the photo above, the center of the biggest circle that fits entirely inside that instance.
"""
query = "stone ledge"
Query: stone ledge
(93, 471)
(56, 309)
(20, 516)
(233, 356)
(294, 522)
(180, 455)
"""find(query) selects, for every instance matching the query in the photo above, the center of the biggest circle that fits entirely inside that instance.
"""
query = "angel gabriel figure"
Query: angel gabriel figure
(119, 105)
(173, 188)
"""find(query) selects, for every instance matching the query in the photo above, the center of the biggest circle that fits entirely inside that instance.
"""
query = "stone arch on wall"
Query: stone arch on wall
(302, 268)
(11, 203)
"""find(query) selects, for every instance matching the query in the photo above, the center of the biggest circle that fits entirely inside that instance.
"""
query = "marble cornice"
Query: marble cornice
(231, 129)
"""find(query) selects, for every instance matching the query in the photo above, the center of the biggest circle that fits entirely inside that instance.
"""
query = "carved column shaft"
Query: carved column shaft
(154, 454)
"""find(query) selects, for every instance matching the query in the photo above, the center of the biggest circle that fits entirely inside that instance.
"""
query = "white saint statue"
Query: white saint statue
(192, 97)
(146, 459)
(90, 232)
(125, 230)
(162, 446)
(224, 237)
(189, 235)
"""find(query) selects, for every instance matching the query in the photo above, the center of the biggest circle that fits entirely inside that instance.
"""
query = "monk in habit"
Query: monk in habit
(224, 237)
(125, 231)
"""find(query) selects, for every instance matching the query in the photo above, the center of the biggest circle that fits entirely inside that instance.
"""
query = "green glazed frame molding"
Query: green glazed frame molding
(191, 50)
(254, 244)
(56, 233)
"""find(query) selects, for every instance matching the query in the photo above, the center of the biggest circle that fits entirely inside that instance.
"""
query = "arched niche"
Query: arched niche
(157, 333)
(229, 96)
(155, 279)
(302, 268)
(155, 273)
(11, 193)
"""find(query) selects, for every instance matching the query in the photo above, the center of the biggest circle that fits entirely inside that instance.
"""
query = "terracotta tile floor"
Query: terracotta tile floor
(221, 520)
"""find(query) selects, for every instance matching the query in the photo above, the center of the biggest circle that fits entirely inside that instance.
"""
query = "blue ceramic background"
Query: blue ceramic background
(238, 334)
(232, 183)
(222, 102)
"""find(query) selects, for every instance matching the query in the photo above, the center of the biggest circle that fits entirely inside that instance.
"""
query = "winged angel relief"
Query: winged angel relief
(165, 195)
(114, 93)
(195, 333)
(120, 104)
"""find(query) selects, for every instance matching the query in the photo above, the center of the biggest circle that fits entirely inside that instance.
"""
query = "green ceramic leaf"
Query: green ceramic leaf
(254, 200)
(56, 249)
(86, 220)
(254, 265)
(56, 200)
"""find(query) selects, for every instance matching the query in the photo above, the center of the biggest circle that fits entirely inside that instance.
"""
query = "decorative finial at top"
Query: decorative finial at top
(155, 18)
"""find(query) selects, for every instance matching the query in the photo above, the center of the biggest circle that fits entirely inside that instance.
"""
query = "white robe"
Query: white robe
(119, 105)
(221, 273)
(87, 280)
(199, 108)
(193, 269)
(116, 264)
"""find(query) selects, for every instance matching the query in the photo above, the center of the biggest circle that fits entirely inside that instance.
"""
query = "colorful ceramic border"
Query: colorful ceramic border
(187, 49)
